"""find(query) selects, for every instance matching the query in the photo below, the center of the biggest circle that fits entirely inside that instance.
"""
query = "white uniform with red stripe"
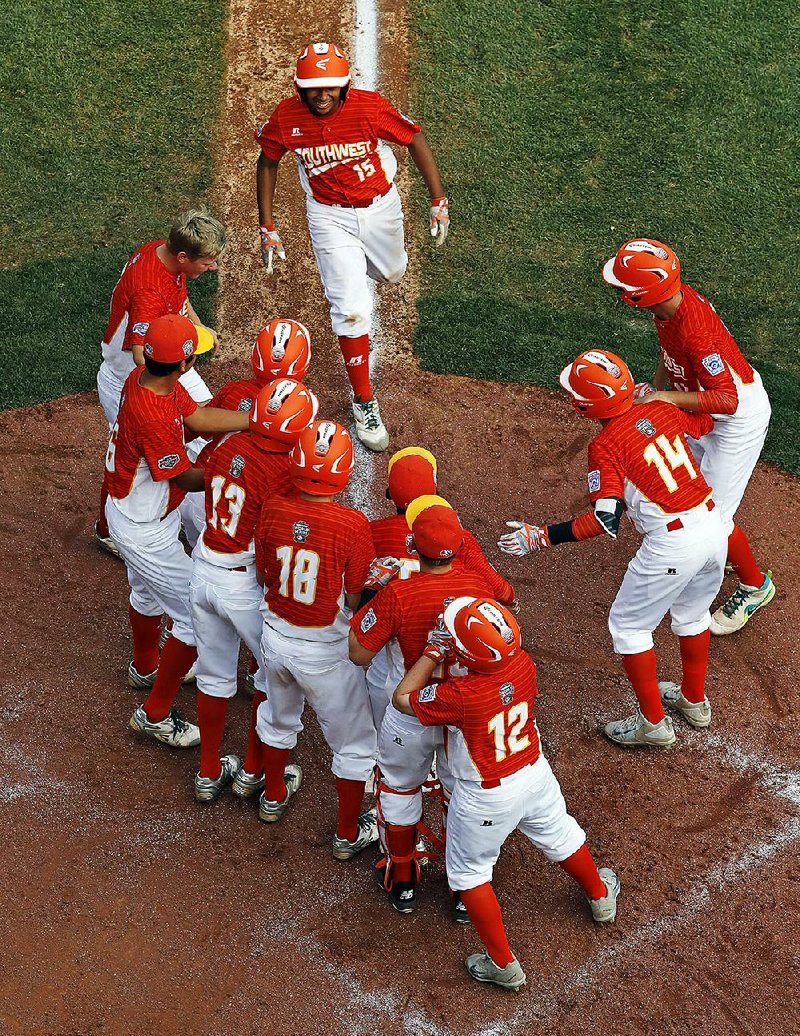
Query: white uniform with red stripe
(353, 208)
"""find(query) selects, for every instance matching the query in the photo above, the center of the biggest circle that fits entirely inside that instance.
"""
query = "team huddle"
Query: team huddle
(398, 632)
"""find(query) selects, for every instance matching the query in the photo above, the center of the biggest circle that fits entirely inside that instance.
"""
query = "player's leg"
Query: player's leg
(278, 723)
(383, 236)
(109, 389)
(377, 685)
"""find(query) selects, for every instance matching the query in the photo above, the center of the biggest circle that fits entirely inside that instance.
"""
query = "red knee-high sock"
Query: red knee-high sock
(356, 361)
(351, 797)
(694, 661)
(583, 869)
(275, 760)
(401, 841)
(211, 720)
(177, 659)
(741, 557)
(252, 757)
(102, 524)
(641, 670)
(146, 630)
(484, 912)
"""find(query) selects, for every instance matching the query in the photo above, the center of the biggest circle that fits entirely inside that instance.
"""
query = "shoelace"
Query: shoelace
(740, 595)
(371, 419)
(179, 724)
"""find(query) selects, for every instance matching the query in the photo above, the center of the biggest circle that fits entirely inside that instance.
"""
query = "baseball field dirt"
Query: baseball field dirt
(130, 908)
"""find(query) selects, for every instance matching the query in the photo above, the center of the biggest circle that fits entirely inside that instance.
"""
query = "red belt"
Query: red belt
(676, 523)
(490, 784)
(241, 568)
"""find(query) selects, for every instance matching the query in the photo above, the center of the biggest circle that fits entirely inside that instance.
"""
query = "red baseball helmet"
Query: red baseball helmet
(647, 271)
(282, 349)
(600, 383)
(321, 64)
(321, 462)
(485, 634)
(281, 411)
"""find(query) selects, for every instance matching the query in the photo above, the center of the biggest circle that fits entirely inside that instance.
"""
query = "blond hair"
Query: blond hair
(198, 234)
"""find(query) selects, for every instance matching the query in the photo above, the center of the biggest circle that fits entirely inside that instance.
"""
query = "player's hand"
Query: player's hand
(440, 219)
(440, 642)
(381, 572)
(642, 389)
(514, 606)
(525, 539)
(271, 245)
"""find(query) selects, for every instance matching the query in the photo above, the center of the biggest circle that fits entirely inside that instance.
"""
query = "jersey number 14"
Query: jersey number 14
(668, 457)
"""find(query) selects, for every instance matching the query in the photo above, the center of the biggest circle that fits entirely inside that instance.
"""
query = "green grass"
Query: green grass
(564, 128)
(107, 114)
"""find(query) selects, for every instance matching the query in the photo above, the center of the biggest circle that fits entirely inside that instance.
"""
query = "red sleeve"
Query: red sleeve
(163, 449)
(361, 556)
(145, 305)
(394, 126)
(377, 622)
(474, 559)
(719, 395)
(696, 425)
(606, 477)
(438, 704)
(270, 137)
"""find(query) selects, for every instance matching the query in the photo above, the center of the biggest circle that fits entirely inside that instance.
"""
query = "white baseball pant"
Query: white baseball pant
(227, 609)
(479, 821)
(321, 674)
(406, 750)
(384, 674)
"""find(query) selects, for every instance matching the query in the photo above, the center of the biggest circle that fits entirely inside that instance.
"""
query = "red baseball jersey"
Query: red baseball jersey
(237, 395)
(701, 355)
(146, 449)
(495, 732)
(337, 155)
(145, 290)
(643, 458)
(311, 552)
(408, 609)
(241, 474)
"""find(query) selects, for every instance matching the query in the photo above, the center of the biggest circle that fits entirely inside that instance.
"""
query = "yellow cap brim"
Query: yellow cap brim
(205, 341)
(416, 507)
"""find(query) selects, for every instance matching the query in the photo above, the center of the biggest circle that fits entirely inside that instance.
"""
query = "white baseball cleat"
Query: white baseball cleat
(696, 713)
(245, 784)
(106, 543)
(604, 910)
(636, 732)
(173, 731)
(366, 834)
(269, 811)
(370, 429)
(743, 602)
(140, 681)
(483, 968)
(206, 789)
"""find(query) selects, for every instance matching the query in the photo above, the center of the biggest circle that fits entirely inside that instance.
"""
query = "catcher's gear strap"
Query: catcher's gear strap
(437, 844)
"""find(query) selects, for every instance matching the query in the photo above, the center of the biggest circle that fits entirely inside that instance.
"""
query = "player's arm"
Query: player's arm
(660, 377)
(266, 180)
(145, 305)
(422, 157)
(476, 560)
(208, 420)
(373, 626)
(719, 395)
(415, 679)
(437, 651)
(190, 481)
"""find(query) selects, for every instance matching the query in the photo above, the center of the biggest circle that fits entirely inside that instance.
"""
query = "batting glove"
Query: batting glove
(440, 219)
(271, 245)
(525, 539)
(514, 607)
(644, 388)
(381, 572)
(440, 642)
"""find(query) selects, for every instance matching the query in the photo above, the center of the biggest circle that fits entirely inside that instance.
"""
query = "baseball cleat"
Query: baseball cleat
(370, 429)
(269, 811)
(458, 909)
(206, 789)
(402, 895)
(173, 731)
(250, 684)
(366, 834)
(604, 910)
(191, 676)
(636, 732)
(245, 784)
(483, 968)
(696, 713)
(140, 681)
(106, 543)
(744, 602)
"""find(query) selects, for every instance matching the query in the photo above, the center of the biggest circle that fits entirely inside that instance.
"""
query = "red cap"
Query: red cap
(412, 473)
(437, 532)
(170, 339)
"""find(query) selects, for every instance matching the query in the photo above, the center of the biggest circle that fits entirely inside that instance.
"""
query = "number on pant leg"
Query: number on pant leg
(302, 567)
(662, 452)
(507, 728)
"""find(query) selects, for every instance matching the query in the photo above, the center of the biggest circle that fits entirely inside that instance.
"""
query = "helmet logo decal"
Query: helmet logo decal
(323, 64)
(644, 246)
(325, 433)
(280, 339)
(280, 393)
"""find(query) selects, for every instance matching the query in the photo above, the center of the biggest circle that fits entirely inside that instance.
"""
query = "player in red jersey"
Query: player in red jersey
(148, 472)
(241, 474)
(641, 461)
(502, 780)
(353, 208)
(709, 375)
(153, 284)
(407, 610)
(313, 555)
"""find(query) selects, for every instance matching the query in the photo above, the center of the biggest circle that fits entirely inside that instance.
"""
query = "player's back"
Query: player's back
(237, 395)
(392, 538)
(311, 552)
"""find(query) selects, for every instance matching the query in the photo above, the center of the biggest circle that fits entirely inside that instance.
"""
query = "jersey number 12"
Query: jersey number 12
(507, 729)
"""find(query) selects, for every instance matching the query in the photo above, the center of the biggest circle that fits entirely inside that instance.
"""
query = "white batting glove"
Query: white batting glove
(525, 539)
(381, 572)
(514, 606)
(440, 642)
(440, 219)
(271, 245)
(643, 388)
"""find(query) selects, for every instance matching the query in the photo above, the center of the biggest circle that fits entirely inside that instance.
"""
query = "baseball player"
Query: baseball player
(314, 555)
(640, 460)
(503, 782)
(153, 284)
(147, 472)
(407, 610)
(354, 213)
(709, 375)
(242, 472)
